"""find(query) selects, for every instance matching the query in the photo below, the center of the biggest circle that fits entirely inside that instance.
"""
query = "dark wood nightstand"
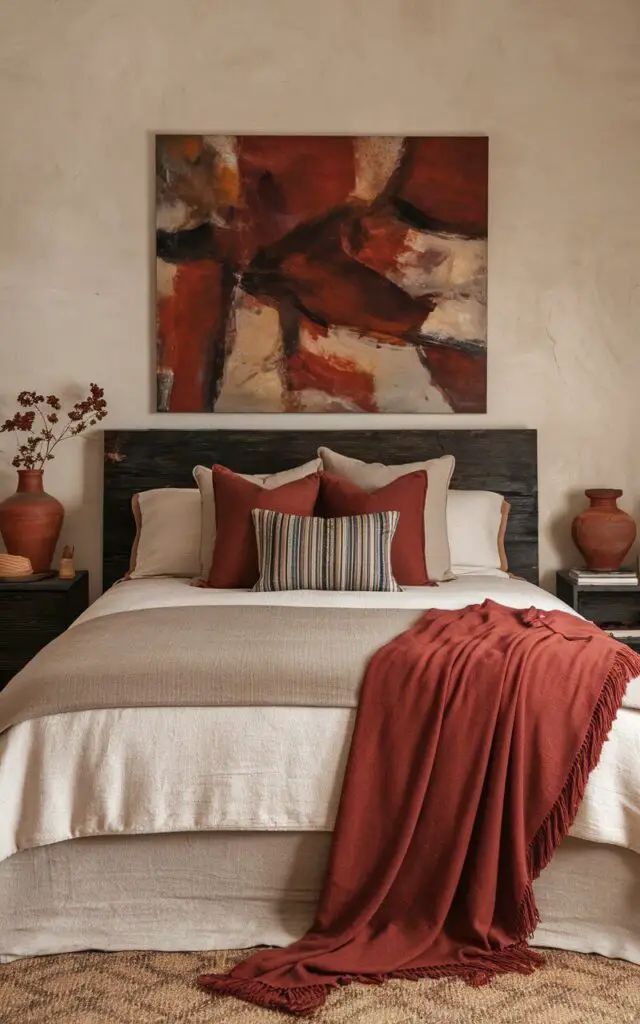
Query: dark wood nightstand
(33, 613)
(616, 606)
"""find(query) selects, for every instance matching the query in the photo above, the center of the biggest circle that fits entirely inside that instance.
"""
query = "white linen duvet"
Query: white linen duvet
(159, 770)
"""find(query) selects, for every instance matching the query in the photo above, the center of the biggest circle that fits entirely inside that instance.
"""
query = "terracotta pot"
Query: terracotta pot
(603, 533)
(31, 520)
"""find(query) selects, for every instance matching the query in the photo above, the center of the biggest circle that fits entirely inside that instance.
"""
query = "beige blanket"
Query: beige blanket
(204, 656)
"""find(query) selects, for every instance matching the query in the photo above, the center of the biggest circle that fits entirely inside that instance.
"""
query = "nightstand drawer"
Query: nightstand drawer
(604, 608)
(34, 613)
(23, 645)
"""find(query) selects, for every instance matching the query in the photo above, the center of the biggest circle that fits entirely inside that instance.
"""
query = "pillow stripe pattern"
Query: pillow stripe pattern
(309, 553)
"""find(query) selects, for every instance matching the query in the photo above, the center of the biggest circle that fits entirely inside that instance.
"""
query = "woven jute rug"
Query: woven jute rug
(154, 988)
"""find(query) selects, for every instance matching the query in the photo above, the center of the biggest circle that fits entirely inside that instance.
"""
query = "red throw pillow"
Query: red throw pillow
(406, 495)
(235, 555)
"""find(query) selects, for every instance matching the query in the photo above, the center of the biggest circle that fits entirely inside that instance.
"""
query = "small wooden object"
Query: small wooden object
(66, 569)
(15, 566)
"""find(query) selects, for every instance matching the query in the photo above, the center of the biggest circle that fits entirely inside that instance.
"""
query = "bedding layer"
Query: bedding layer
(224, 890)
(127, 771)
(204, 657)
(252, 769)
(472, 587)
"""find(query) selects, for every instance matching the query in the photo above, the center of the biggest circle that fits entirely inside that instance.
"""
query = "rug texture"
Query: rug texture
(162, 988)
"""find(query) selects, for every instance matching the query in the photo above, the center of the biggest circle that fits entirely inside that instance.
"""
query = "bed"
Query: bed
(191, 827)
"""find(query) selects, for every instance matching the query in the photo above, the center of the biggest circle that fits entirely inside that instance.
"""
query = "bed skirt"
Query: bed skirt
(233, 890)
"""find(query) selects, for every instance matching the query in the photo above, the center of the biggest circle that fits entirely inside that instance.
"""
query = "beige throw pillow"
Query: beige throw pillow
(167, 539)
(371, 476)
(204, 480)
(476, 523)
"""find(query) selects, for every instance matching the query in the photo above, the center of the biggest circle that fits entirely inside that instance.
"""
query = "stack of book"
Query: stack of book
(617, 578)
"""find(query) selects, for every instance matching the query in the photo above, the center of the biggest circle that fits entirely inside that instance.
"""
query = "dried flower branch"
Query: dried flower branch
(38, 447)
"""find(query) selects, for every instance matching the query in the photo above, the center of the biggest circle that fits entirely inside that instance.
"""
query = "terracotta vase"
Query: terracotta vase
(603, 533)
(31, 520)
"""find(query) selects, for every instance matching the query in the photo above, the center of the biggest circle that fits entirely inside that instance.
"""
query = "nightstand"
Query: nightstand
(34, 612)
(615, 606)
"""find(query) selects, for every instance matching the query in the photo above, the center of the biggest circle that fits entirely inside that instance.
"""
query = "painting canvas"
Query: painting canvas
(321, 273)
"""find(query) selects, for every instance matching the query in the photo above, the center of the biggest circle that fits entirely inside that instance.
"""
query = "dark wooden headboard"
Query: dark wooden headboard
(494, 460)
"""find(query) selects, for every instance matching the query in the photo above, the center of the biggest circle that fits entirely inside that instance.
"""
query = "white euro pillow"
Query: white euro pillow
(167, 539)
(476, 525)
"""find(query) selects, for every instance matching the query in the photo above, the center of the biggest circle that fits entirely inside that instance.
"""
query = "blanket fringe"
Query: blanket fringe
(301, 1002)
(560, 818)
(516, 959)
(306, 999)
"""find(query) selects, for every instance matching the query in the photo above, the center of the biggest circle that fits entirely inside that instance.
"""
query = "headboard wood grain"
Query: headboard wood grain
(495, 460)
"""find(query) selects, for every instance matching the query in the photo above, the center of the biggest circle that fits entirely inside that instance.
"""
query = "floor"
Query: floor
(154, 988)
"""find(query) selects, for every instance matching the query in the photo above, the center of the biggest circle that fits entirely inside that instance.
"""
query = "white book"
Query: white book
(594, 574)
(625, 582)
(628, 634)
(604, 575)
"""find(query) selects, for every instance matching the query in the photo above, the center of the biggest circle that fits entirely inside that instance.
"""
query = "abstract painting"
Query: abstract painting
(321, 273)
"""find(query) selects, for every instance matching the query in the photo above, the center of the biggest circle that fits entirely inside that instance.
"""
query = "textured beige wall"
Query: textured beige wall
(556, 86)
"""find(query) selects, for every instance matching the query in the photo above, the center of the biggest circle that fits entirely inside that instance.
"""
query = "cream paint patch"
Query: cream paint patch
(462, 319)
(165, 274)
(376, 159)
(312, 400)
(396, 373)
(176, 216)
(225, 147)
(443, 264)
(227, 174)
(252, 370)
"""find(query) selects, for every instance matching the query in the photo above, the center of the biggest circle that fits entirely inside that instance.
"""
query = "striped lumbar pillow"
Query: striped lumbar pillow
(307, 553)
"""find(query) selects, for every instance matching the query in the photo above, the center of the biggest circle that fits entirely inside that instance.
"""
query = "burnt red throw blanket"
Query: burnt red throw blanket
(475, 735)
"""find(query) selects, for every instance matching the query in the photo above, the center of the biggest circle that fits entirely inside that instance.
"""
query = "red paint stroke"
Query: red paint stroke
(286, 180)
(447, 180)
(460, 376)
(377, 242)
(187, 322)
(314, 330)
(334, 376)
(333, 288)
